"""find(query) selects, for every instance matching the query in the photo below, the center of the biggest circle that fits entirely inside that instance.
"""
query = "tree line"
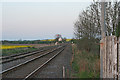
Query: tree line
(28, 42)
(89, 25)
(87, 28)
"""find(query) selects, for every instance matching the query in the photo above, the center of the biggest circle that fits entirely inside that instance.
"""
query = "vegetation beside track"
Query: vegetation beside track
(46, 41)
(85, 64)
(7, 52)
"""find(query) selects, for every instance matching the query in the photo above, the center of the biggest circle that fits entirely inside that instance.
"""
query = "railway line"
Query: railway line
(22, 55)
(15, 60)
(30, 67)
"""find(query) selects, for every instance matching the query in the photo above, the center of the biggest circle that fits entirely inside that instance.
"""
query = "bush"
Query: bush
(85, 64)
(90, 45)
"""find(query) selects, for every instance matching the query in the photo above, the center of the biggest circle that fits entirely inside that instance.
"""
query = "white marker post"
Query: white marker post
(63, 72)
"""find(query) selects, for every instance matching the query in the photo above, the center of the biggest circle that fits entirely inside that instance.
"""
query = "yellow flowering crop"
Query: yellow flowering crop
(13, 46)
(68, 39)
(48, 40)
(54, 39)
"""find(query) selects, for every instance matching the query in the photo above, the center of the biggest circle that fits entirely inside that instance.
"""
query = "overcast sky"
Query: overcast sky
(39, 20)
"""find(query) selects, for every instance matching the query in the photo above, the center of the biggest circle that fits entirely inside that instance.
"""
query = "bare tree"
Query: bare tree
(88, 23)
(118, 25)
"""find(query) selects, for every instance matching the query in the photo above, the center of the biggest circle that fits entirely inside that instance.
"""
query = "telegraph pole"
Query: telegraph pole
(102, 35)
(118, 35)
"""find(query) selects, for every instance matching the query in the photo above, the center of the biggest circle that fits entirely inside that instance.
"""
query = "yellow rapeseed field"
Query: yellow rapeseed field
(68, 39)
(13, 46)
(54, 39)
(48, 40)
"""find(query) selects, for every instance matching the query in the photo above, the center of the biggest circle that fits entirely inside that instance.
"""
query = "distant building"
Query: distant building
(60, 39)
(56, 43)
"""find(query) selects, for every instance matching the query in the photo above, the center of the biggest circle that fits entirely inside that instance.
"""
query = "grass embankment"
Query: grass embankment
(85, 64)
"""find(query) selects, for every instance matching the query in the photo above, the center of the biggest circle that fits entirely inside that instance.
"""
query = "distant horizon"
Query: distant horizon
(35, 39)
(30, 39)
(39, 20)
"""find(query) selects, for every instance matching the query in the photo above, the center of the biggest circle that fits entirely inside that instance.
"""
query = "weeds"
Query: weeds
(85, 64)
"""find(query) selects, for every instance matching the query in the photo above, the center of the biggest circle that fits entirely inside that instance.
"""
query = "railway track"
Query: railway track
(22, 58)
(29, 68)
(21, 55)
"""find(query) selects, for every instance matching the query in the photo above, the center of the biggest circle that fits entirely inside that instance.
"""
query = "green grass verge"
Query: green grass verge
(85, 64)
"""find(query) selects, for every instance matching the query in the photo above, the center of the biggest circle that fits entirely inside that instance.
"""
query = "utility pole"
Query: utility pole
(102, 35)
(118, 45)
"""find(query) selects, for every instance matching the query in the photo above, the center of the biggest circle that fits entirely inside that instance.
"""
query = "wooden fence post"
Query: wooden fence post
(114, 54)
(101, 57)
(108, 57)
(119, 58)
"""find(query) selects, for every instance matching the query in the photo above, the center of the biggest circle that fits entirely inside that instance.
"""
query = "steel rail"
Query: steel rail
(22, 56)
(7, 57)
(41, 66)
(21, 64)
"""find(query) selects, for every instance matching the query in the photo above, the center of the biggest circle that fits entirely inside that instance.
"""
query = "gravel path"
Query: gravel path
(55, 67)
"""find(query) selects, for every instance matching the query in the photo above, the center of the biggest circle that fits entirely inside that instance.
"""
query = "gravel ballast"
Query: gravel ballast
(55, 68)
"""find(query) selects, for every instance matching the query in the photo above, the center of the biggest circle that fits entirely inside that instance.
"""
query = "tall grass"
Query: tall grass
(85, 64)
